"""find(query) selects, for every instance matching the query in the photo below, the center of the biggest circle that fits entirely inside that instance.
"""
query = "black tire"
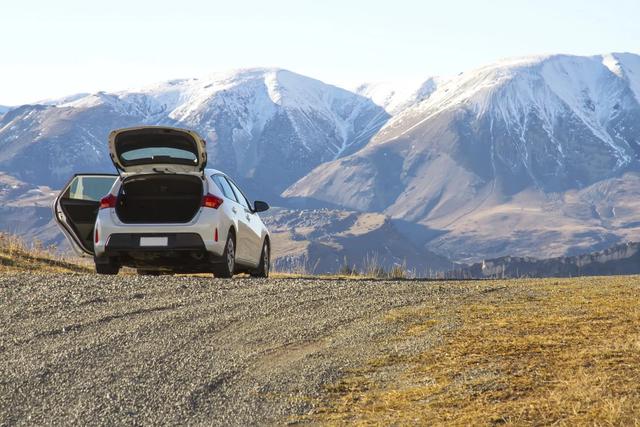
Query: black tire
(106, 266)
(226, 268)
(265, 262)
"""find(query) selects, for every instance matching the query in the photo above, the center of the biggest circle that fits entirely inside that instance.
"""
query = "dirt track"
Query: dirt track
(120, 350)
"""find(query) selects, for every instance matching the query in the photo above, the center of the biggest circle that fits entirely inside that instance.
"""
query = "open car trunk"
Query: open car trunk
(157, 148)
(156, 199)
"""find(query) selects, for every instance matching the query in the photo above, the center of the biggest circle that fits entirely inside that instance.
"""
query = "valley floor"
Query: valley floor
(88, 349)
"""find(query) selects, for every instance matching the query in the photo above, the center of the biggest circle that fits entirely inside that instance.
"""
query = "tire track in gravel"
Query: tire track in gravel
(188, 350)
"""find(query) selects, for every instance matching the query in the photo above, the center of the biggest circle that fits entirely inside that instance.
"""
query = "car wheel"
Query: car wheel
(265, 262)
(228, 265)
(106, 266)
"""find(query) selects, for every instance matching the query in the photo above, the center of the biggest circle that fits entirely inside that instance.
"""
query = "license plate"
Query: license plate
(154, 241)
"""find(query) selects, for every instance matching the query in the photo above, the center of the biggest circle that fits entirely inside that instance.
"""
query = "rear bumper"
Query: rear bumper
(184, 252)
(121, 243)
(116, 238)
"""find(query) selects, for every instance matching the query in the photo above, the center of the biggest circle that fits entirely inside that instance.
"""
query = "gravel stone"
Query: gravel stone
(130, 350)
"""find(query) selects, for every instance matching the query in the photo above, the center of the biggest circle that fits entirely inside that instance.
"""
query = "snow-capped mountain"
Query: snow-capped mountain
(595, 98)
(4, 109)
(542, 126)
(532, 156)
(63, 100)
(395, 97)
(262, 125)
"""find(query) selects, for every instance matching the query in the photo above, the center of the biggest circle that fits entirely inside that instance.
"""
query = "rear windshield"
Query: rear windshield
(147, 146)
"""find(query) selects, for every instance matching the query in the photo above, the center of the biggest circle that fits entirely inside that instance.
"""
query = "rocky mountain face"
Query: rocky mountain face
(25, 210)
(619, 259)
(489, 155)
(266, 126)
(326, 241)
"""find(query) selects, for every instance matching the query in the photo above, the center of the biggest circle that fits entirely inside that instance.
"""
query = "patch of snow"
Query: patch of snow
(551, 86)
(629, 67)
(395, 97)
(63, 100)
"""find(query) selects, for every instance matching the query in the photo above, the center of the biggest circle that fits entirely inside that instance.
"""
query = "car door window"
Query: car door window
(239, 195)
(224, 187)
(91, 188)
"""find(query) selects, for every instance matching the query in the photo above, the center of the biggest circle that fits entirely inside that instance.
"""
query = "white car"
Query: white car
(164, 212)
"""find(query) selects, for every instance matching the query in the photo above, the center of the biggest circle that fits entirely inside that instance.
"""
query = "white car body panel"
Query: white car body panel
(250, 233)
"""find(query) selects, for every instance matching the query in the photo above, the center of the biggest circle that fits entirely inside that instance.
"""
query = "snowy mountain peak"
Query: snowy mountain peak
(564, 75)
(627, 67)
(251, 117)
(395, 97)
(594, 91)
(183, 98)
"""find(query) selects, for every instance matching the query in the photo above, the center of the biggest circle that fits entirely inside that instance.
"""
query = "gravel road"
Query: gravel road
(89, 349)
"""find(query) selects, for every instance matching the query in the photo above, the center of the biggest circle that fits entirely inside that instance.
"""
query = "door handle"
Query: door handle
(248, 217)
(234, 210)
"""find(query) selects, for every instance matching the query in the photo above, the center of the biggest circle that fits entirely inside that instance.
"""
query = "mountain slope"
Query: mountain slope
(262, 125)
(325, 240)
(531, 127)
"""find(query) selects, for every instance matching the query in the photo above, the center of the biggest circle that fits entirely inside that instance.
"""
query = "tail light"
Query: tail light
(97, 237)
(211, 201)
(108, 202)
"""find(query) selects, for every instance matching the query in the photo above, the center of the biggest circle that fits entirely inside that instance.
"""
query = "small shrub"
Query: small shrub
(372, 266)
(348, 269)
(399, 271)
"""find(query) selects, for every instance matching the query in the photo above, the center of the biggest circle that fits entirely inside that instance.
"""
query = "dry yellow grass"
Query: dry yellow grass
(16, 255)
(541, 352)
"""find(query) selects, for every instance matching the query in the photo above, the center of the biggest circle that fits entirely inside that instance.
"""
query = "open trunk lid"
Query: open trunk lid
(157, 149)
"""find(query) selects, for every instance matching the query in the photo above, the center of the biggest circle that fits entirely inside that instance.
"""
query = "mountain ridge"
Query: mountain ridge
(516, 157)
(251, 118)
(522, 130)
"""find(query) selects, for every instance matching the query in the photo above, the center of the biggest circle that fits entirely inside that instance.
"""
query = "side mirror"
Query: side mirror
(260, 206)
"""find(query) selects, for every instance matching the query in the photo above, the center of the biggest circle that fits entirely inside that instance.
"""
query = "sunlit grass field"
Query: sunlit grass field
(18, 255)
(533, 352)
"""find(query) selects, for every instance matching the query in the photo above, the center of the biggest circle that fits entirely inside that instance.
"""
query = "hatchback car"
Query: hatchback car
(164, 211)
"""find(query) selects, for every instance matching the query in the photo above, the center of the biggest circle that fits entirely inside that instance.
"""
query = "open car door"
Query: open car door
(76, 208)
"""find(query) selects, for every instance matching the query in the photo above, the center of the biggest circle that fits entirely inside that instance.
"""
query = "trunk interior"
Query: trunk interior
(154, 199)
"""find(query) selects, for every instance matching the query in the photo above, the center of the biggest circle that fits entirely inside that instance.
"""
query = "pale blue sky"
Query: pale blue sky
(55, 48)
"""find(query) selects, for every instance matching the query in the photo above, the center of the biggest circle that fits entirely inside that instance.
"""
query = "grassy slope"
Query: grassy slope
(550, 352)
(16, 255)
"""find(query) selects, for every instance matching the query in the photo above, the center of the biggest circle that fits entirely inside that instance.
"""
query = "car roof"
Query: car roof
(211, 171)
